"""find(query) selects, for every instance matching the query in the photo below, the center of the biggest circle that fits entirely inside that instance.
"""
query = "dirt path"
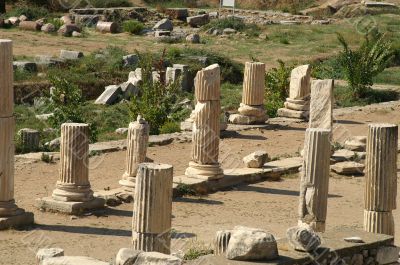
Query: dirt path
(268, 205)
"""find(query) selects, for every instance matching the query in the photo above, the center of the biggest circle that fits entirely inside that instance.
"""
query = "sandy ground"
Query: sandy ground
(268, 205)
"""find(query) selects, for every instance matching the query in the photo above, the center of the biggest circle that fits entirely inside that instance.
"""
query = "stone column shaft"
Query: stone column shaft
(153, 208)
(206, 127)
(314, 184)
(254, 84)
(73, 183)
(6, 79)
(138, 139)
(380, 178)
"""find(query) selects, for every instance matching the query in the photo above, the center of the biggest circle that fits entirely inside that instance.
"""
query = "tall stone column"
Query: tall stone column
(206, 128)
(73, 193)
(380, 178)
(10, 214)
(138, 139)
(251, 109)
(314, 183)
(152, 210)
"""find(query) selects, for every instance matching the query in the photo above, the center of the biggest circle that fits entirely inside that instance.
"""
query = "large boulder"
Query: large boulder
(164, 24)
(251, 244)
(198, 21)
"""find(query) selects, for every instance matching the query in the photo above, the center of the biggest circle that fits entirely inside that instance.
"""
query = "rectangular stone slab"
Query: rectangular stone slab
(75, 208)
(24, 219)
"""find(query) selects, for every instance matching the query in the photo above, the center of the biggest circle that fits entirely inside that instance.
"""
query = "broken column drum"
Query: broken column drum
(10, 214)
(251, 109)
(151, 227)
(138, 139)
(206, 127)
(314, 182)
(380, 178)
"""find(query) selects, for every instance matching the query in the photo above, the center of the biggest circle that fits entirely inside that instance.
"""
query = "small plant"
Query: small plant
(196, 251)
(31, 12)
(170, 127)
(362, 65)
(337, 146)
(133, 27)
(185, 190)
(47, 158)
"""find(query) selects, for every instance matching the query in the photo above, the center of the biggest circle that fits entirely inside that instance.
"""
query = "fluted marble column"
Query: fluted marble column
(153, 208)
(10, 214)
(380, 178)
(73, 184)
(314, 183)
(221, 241)
(252, 109)
(138, 139)
(206, 128)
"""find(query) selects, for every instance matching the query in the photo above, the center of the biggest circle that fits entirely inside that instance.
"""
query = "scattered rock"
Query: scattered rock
(380, 4)
(48, 28)
(109, 96)
(54, 144)
(177, 13)
(14, 21)
(387, 255)
(121, 130)
(357, 259)
(70, 55)
(66, 30)
(66, 19)
(45, 253)
(229, 31)
(251, 244)
(348, 168)
(256, 159)
(130, 59)
(162, 33)
(25, 66)
(303, 239)
(198, 21)
(156, 258)
(193, 38)
(164, 24)
(76, 34)
(44, 117)
(73, 260)
(354, 239)
(127, 256)
(23, 18)
(357, 143)
(29, 25)
(129, 89)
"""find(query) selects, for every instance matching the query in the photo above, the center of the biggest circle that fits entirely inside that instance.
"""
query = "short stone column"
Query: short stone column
(151, 228)
(138, 139)
(251, 110)
(380, 178)
(206, 127)
(29, 139)
(10, 215)
(297, 105)
(73, 193)
(314, 182)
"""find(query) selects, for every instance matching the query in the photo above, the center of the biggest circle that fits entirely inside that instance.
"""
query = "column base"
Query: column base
(294, 114)
(19, 220)
(247, 120)
(152, 242)
(9, 208)
(52, 205)
(204, 172)
(72, 193)
(317, 226)
(379, 222)
(128, 185)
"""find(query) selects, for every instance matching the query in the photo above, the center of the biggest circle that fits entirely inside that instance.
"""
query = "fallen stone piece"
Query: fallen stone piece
(109, 96)
(121, 130)
(246, 120)
(256, 159)
(343, 155)
(156, 258)
(25, 66)
(198, 21)
(107, 27)
(46, 253)
(162, 33)
(221, 241)
(48, 28)
(354, 239)
(164, 24)
(251, 244)
(14, 20)
(130, 59)
(348, 168)
(177, 13)
(72, 260)
(303, 239)
(127, 256)
(129, 89)
(380, 4)
(357, 143)
(295, 114)
(66, 30)
(29, 25)
(70, 55)
(229, 31)
(76, 34)
(193, 38)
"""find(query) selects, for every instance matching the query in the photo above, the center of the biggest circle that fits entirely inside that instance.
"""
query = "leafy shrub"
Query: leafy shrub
(31, 12)
(156, 100)
(362, 65)
(277, 88)
(252, 30)
(133, 27)
(170, 127)
(109, 3)
(328, 69)
(344, 96)
(66, 104)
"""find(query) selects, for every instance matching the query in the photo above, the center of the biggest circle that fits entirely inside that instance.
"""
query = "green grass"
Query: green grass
(389, 76)
(343, 97)
(231, 96)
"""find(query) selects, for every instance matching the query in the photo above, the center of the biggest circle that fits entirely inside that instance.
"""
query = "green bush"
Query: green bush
(344, 96)
(277, 88)
(31, 12)
(252, 30)
(133, 27)
(170, 127)
(67, 106)
(109, 3)
(362, 65)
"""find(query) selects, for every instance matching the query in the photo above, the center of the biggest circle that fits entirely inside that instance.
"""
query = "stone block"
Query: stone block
(295, 114)
(156, 258)
(46, 253)
(74, 208)
(164, 24)
(256, 159)
(127, 256)
(17, 221)
(387, 255)
(348, 168)
(73, 260)
(198, 21)
(25, 66)
(70, 55)
(110, 95)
